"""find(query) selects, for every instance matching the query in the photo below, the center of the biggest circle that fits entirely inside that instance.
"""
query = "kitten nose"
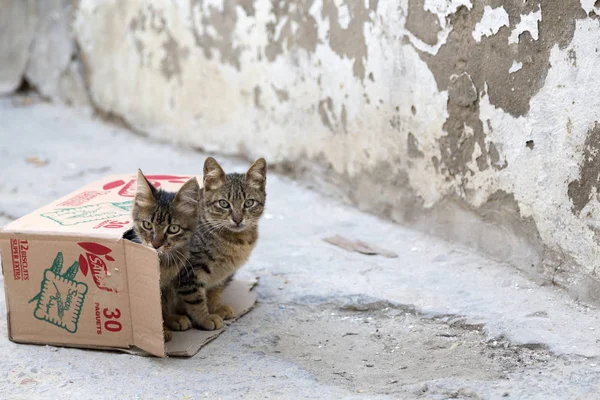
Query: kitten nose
(237, 219)
(156, 244)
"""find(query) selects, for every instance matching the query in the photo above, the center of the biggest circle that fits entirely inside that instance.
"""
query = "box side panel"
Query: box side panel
(143, 276)
(66, 291)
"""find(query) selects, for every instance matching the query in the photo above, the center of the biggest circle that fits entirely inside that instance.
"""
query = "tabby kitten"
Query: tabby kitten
(227, 231)
(166, 221)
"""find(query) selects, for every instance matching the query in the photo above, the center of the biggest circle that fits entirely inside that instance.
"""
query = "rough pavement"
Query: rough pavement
(437, 322)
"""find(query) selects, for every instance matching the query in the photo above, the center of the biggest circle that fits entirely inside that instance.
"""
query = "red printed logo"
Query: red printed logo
(128, 189)
(93, 262)
(19, 249)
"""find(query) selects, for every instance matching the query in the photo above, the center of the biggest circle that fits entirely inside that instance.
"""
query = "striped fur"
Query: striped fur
(227, 230)
(166, 221)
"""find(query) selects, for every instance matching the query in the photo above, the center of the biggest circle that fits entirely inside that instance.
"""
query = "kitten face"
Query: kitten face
(165, 220)
(234, 201)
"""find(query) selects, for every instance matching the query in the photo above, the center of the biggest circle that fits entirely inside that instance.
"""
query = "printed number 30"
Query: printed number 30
(115, 224)
(111, 324)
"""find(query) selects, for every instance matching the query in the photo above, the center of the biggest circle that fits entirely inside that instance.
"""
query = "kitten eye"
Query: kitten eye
(147, 225)
(173, 229)
(249, 203)
(223, 203)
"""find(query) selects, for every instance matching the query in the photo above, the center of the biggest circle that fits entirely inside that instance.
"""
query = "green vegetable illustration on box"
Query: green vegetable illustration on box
(60, 298)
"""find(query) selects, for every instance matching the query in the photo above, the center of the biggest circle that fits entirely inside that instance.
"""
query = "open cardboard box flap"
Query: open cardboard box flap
(238, 295)
(71, 280)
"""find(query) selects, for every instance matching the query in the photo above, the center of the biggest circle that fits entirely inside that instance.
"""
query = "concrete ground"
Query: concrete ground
(438, 322)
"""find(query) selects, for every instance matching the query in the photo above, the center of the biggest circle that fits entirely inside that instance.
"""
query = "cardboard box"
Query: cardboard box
(72, 280)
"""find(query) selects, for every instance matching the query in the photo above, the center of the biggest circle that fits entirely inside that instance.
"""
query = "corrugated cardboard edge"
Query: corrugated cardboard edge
(238, 295)
(6, 300)
(143, 277)
(70, 346)
(5, 235)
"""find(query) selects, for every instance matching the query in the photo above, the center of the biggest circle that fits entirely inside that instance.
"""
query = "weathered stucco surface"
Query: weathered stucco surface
(477, 121)
(18, 20)
(37, 49)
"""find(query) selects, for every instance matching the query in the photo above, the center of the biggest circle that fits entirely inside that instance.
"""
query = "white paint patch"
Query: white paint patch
(588, 5)
(427, 48)
(445, 7)
(211, 31)
(492, 20)
(529, 22)
(516, 66)
(441, 8)
(279, 27)
(343, 15)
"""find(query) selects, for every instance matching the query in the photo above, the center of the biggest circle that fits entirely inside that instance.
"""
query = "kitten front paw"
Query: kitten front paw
(225, 311)
(211, 323)
(168, 335)
(178, 322)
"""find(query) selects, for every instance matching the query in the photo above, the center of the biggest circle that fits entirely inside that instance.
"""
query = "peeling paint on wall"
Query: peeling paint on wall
(464, 119)
(151, 20)
(350, 41)
(293, 27)
(516, 66)
(213, 27)
(528, 23)
(585, 188)
(492, 20)
(424, 24)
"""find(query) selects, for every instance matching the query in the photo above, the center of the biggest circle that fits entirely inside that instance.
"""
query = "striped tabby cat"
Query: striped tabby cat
(166, 221)
(227, 231)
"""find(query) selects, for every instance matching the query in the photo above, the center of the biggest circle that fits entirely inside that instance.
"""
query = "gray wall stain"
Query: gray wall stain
(223, 22)
(413, 146)
(282, 95)
(248, 7)
(464, 130)
(170, 65)
(495, 157)
(140, 48)
(257, 101)
(344, 119)
(422, 23)
(572, 57)
(153, 21)
(326, 112)
(289, 12)
(487, 63)
(350, 41)
(581, 190)
(149, 19)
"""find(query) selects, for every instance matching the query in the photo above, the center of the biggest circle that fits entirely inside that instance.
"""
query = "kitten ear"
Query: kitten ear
(144, 194)
(186, 199)
(214, 176)
(256, 176)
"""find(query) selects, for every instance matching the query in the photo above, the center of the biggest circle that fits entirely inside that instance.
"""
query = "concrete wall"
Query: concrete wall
(476, 121)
